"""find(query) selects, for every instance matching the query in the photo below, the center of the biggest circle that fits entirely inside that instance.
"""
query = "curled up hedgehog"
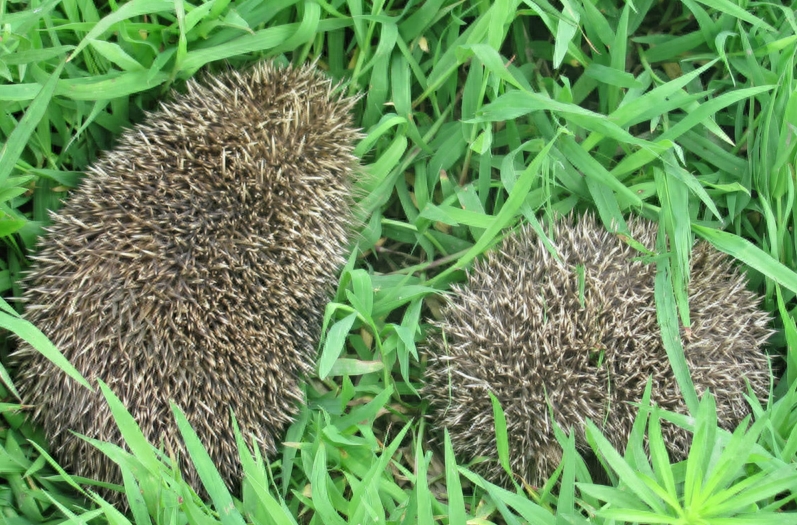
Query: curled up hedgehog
(580, 335)
(193, 264)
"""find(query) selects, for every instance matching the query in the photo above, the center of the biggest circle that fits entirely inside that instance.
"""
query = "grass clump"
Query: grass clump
(476, 116)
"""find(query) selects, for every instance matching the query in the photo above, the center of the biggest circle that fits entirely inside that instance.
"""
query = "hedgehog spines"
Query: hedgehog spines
(192, 265)
(579, 334)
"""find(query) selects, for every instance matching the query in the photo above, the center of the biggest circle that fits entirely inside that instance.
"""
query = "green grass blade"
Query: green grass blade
(321, 498)
(128, 10)
(34, 337)
(516, 199)
(661, 461)
(527, 509)
(211, 479)
(333, 346)
(422, 492)
(501, 436)
(456, 501)
(15, 145)
(628, 476)
(667, 316)
(130, 430)
(749, 254)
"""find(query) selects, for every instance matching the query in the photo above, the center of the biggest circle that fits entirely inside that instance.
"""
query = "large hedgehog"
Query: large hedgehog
(580, 336)
(193, 264)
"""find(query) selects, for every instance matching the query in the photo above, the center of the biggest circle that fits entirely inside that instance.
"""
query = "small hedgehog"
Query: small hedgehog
(193, 264)
(581, 336)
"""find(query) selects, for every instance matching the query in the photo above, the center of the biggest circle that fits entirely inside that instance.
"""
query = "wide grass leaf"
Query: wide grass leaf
(211, 479)
(513, 203)
(333, 345)
(16, 142)
(375, 473)
(128, 10)
(130, 431)
(629, 476)
(422, 493)
(667, 317)
(501, 437)
(751, 255)
(321, 497)
(34, 337)
(456, 501)
(257, 499)
(134, 497)
(529, 510)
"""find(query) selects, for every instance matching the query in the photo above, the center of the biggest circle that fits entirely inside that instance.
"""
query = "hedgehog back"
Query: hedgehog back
(577, 337)
(192, 265)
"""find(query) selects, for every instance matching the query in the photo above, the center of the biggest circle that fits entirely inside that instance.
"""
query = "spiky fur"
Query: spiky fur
(519, 329)
(192, 265)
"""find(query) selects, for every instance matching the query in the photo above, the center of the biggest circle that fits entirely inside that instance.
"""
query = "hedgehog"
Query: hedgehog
(577, 338)
(193, 264)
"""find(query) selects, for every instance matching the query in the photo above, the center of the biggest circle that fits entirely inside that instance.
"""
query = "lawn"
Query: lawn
(476, 117)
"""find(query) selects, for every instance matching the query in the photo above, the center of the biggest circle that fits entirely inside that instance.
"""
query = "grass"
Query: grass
(476, 115)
